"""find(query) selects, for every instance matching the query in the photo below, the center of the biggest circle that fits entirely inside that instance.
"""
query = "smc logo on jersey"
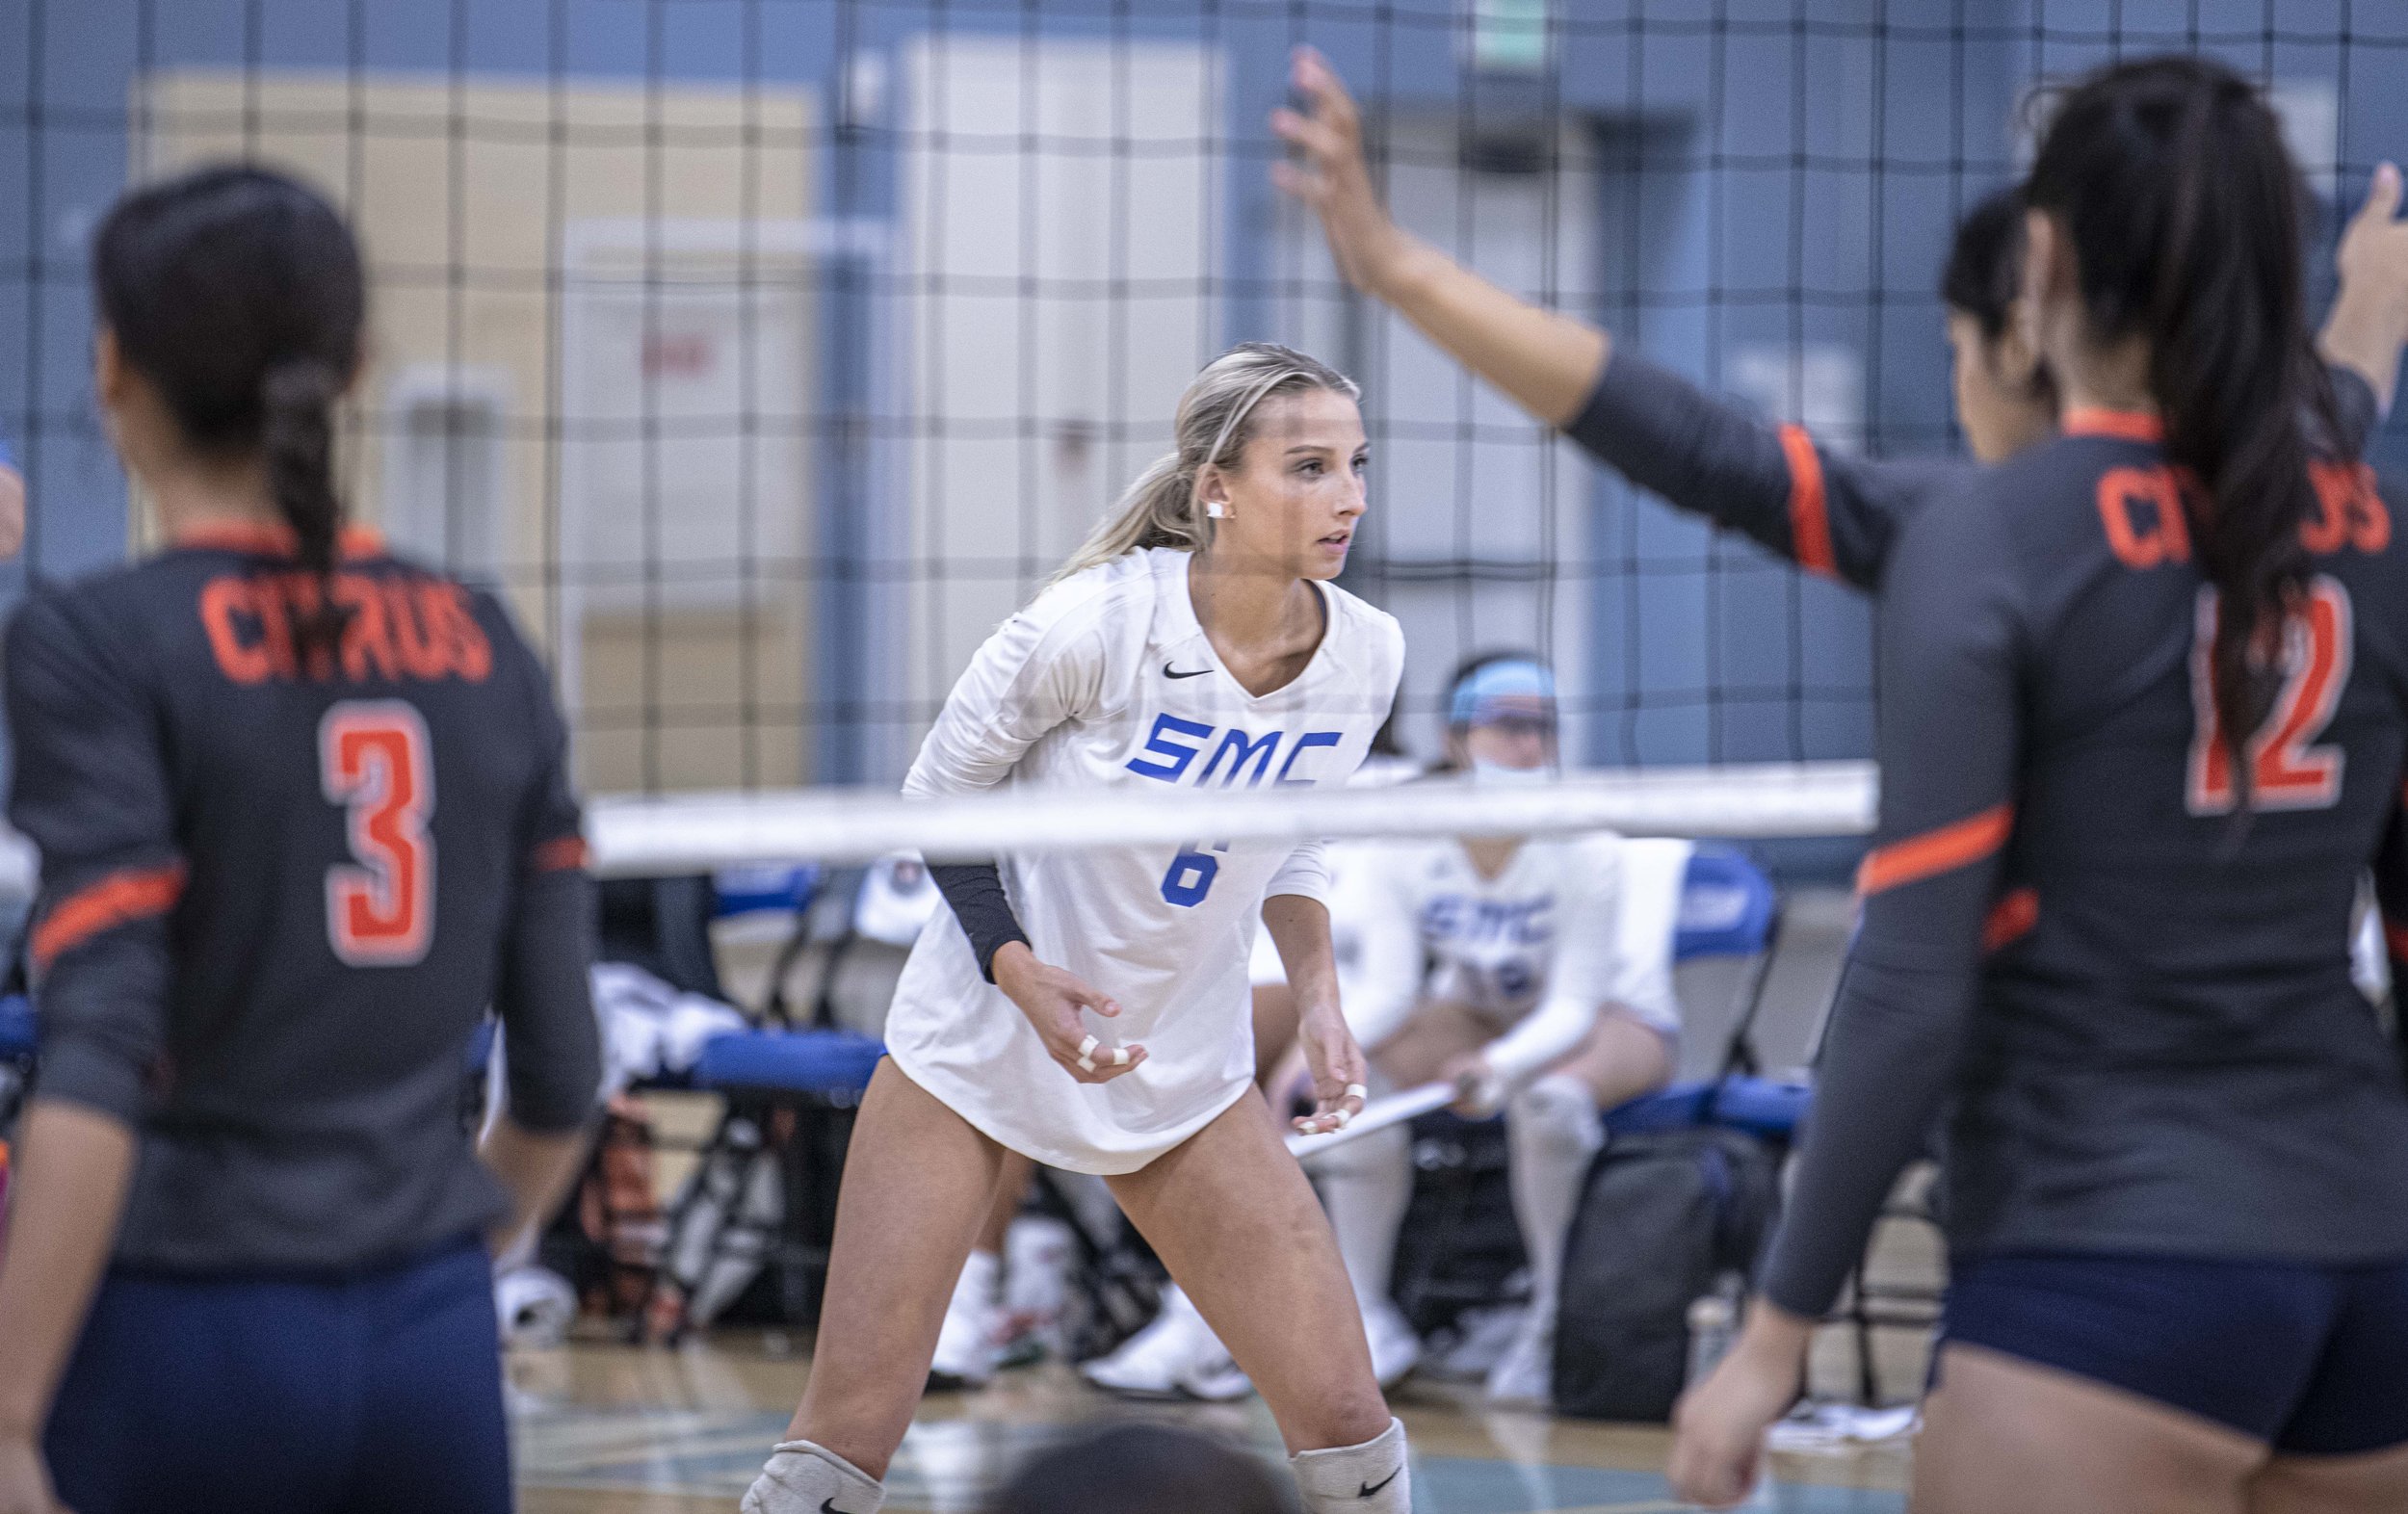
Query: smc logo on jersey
(1174, 745)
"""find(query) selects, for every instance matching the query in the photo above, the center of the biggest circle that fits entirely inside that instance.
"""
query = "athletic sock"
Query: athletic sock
(1552, 1130)
(1370, 1478)
(804, 1478)
(1366, 1185)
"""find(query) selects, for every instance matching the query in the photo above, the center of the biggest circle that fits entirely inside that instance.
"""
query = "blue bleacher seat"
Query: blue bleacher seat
(768, 886)
(17, 1026)
(802, 1063)
(1728, 906)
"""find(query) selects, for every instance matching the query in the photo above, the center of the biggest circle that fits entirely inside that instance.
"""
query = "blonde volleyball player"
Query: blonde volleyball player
(1498, 964)
(1092, 1010)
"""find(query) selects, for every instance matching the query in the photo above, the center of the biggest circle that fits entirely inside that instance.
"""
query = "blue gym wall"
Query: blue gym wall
(1736, 204)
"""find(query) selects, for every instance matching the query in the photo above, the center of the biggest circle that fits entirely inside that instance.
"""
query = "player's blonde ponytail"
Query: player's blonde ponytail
(1160, 508)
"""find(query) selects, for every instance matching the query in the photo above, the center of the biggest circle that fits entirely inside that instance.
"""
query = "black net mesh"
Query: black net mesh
(769, 352)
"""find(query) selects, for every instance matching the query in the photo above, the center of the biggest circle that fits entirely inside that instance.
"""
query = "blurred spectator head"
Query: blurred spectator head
(1145, 1469)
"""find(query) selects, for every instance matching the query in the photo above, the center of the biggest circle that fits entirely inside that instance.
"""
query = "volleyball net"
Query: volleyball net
(767, 353)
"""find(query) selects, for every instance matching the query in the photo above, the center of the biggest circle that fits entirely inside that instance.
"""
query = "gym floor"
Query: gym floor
(608, 1429)
(604, 1428)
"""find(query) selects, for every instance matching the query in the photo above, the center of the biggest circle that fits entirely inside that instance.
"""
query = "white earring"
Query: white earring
(1215, 510)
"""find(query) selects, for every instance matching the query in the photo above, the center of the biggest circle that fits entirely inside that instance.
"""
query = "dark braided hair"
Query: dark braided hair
(2187, 218)
(238, 292)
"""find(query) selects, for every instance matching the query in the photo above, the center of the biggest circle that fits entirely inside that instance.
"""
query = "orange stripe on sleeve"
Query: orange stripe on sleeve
(1810, 520)
(1936, 851)
(118, 900)
(561, 855)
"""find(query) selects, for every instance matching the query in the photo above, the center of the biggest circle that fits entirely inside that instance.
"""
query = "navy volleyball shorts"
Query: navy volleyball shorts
(2310, 1360)
(361, 1392)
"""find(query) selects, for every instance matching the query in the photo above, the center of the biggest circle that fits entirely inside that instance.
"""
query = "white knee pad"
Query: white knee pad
(1555, 1116)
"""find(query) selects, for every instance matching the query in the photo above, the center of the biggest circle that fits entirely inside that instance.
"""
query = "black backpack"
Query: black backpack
(1662, 1218)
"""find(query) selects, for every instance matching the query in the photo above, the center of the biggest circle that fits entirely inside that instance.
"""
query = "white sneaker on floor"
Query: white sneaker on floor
(1175, 1357)
(966, 1349)
(1524, 1377)
(1396, 1351)
(1481, 1338)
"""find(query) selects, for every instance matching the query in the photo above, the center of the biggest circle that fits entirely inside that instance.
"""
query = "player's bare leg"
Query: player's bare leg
(2003, 1436)
(1232, 1217)
(917, 1186)
(2375, 1483)
(968, 1347)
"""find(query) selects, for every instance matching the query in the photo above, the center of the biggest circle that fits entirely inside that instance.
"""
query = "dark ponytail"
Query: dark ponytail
(296, 435)
(240, 296)
(2184, 212)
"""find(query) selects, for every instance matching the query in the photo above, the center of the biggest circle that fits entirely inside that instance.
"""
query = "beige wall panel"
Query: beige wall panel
(482, 243)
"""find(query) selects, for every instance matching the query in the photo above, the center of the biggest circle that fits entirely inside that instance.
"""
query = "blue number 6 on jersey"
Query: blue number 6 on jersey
(1190, 879)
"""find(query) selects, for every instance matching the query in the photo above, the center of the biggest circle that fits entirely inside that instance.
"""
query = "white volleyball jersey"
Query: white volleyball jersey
(1107, 680)
(1536, 950)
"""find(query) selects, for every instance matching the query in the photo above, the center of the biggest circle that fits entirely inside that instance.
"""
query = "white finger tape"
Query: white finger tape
(1086, 1048)
(1344, 1117)
(1355, 1091)
(1087, 1064)
(1120, 1056)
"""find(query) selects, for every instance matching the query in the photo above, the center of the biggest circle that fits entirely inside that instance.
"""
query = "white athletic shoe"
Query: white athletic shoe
(1396, 1351)
(1524, 1377)
(966, 1349)
(1481, 1338)
(1175, 1357)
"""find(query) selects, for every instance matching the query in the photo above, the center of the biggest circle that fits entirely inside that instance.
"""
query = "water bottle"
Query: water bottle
(1713, 1323)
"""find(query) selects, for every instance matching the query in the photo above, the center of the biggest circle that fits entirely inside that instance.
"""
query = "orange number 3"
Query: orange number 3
(2291, 772)
(372, 760)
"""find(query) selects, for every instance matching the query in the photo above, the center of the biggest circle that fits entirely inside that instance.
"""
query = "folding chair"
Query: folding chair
(790, 1091)
(1729, 908)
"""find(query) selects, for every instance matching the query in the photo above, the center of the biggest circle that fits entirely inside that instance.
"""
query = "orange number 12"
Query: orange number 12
(2290, 772)
(372, 760)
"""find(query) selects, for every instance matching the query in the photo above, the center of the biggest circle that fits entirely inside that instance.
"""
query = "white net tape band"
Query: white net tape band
(639, 838)
(664, 837)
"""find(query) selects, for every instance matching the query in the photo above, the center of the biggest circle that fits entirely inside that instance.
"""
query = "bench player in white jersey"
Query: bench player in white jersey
(1091, 1011)
(1536, 974)
(1548, 994)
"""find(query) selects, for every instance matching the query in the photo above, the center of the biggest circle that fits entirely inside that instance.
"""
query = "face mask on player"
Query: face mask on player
(1497, 776)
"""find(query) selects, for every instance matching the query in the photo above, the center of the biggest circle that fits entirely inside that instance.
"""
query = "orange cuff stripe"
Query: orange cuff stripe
(1936, 851)
(118, 900)
(2011, 919)
(561, 855)
(1810, 524)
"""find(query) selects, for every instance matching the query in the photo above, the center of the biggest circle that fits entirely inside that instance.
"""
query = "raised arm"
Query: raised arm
(1707, 455)
(2367, 325)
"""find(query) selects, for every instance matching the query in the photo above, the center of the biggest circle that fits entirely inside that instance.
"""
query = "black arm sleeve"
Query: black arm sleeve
(1948, 740)
(976, 892)
(544, 993)
(91, 791)
(1713, 456)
